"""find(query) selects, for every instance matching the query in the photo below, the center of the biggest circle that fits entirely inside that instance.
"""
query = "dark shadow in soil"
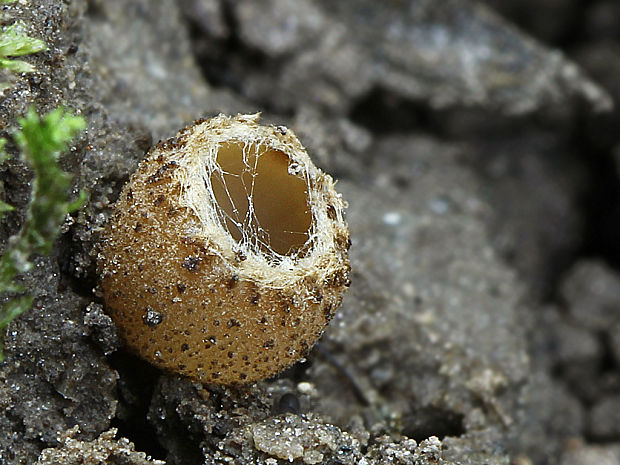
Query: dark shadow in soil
(429, 421)
(135, 386)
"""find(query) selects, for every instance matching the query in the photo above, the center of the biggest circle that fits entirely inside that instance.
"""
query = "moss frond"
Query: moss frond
(40, 140)
(14, 42)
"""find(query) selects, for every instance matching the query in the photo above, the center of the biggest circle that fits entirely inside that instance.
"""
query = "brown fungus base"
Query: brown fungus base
(186, 306)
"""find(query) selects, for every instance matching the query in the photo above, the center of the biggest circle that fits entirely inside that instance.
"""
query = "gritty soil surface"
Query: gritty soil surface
(477, 147)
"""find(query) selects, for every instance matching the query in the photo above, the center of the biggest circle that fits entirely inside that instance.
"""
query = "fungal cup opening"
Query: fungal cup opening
(259, 202)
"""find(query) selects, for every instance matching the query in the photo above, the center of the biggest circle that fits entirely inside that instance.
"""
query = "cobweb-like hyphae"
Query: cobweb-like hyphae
(264, 200)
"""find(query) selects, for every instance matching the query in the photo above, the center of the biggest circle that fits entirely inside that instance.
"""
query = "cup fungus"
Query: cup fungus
(226, 255)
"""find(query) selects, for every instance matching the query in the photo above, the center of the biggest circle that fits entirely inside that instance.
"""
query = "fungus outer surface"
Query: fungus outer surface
(236, 242)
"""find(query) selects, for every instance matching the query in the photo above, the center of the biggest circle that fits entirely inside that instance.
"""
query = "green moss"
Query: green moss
(40, 141)
(14, 42)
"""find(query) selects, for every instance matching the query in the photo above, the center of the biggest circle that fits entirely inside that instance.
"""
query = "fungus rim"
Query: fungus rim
(196, 158)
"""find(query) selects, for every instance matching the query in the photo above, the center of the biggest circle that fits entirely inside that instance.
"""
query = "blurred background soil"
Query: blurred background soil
(477, 145)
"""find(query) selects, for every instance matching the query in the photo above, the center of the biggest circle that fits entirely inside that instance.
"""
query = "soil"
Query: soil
(477, 147)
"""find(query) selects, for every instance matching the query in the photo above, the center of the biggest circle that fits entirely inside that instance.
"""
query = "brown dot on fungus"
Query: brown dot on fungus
(238, 227)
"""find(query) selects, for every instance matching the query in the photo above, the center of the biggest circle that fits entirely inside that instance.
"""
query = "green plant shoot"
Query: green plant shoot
(14, 42)
(40, 141)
